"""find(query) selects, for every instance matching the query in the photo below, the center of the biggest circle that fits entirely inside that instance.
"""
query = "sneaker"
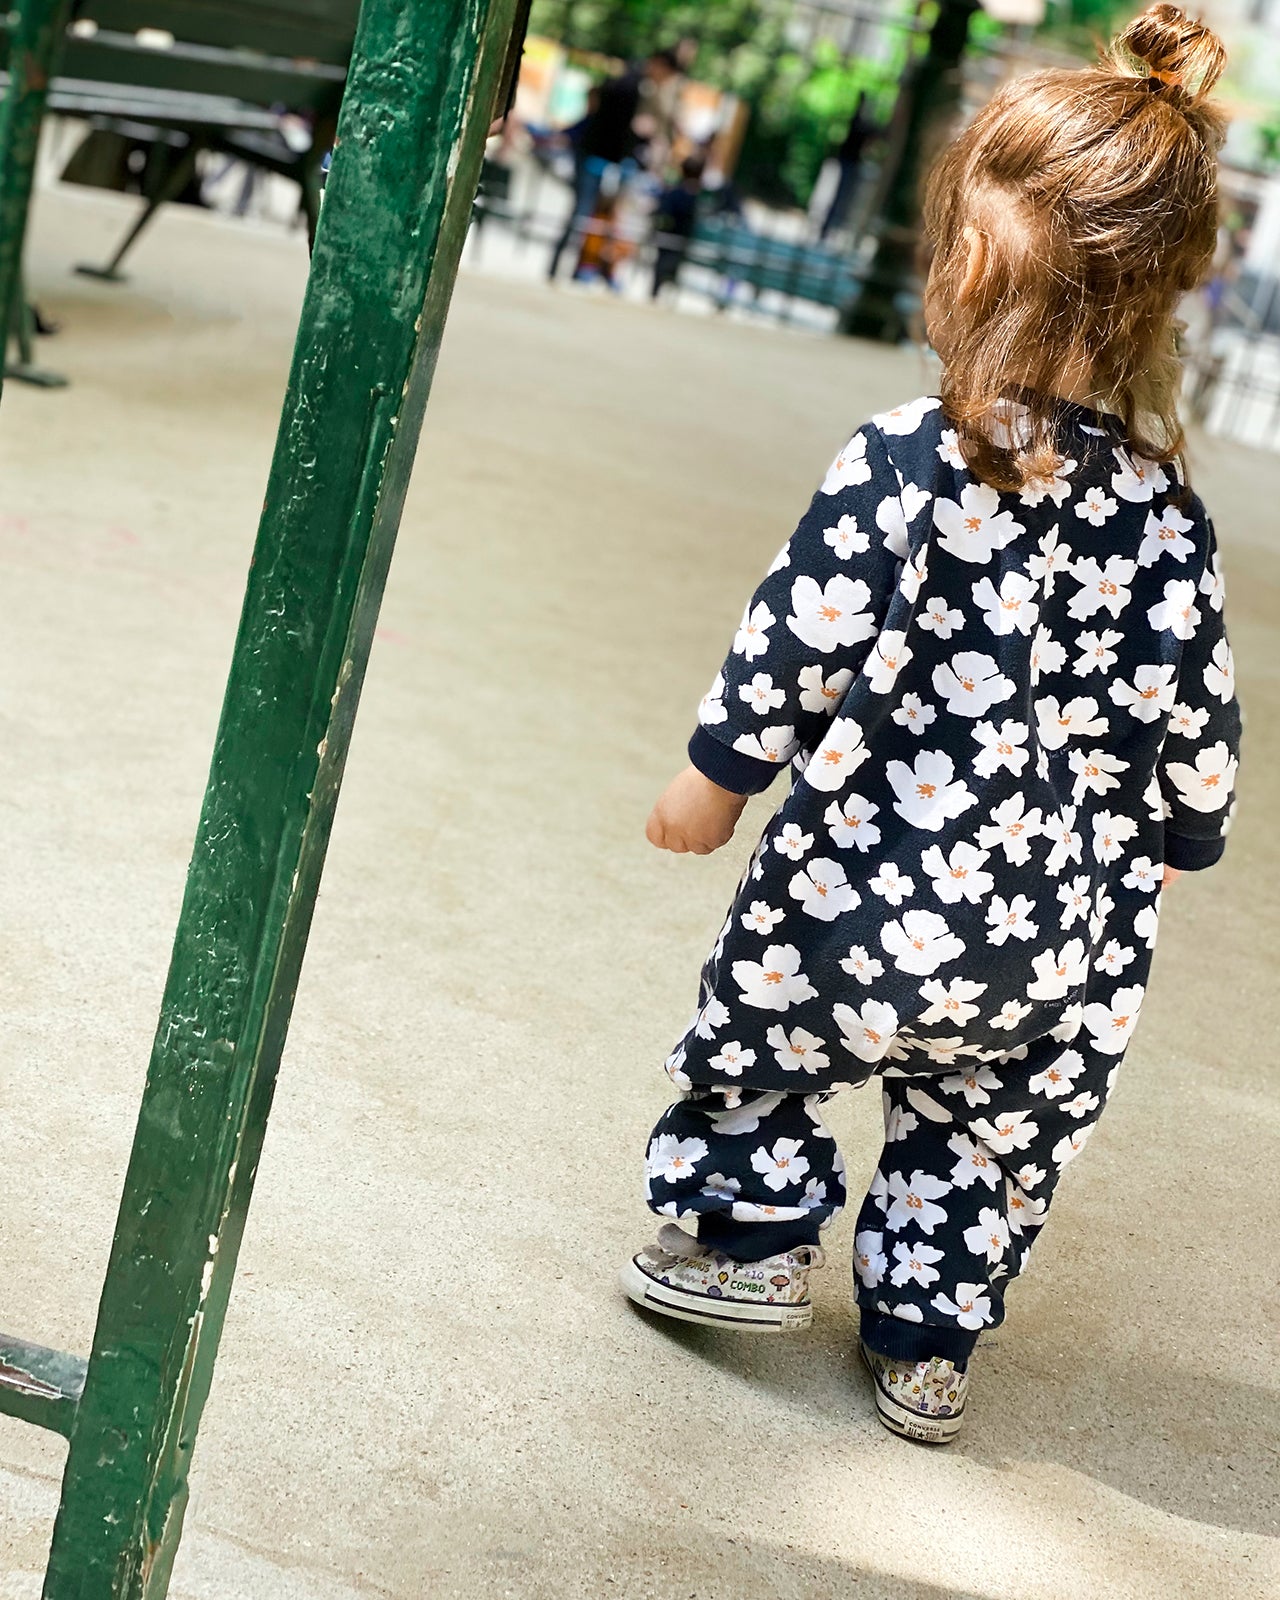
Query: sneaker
(681, 1278)
(922, 1400)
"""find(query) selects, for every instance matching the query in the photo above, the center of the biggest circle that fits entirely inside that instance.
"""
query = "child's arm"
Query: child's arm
(806, 631)
(1197, 768)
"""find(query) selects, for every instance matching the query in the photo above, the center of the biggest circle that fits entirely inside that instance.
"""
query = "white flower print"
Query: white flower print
(1010, 1014)
(1096, 652)
(1143, 873)
(1011, 919)
(1115, 958)
(892, 885)
(1101, 587)
(774, 983)
(1076, 897)
(1177, 613)
(921, 942)
(893, 515)
(849, 822)
(777, 745)
(761, 917)
(914, 713)
(973, 1165)
(737, 1120)
(1054, 557)
(1057, 974)
(1136, 478)
(815, 1195)
(1001, 747)
(949, 450)
(674, 1159)
(819, 693)
(1053, 487)
(971, 683)
(1014, 1130)
(1110, 834)
(1069, 1148)
(761, 695)
(732, 1058)
(1059, 1077)
(915, 1261)
(1027, 1177)
(906, 418)
(1078, 719)
(973, 1085)
(782, 559)
(1047, 654)
(1150, 695)
(869, 1257)
(958, 876)
(950, 1002)
(846, 538)
(1096, 507)
(782, 1166)
(1207, 785)
(711, 707)
(841, 753)
(1101, 913)
(1146, 925)
(1188, 721)
(792, 841)
(1012, 828)
(1111, 1027)
(898, 1123)
(1068, 845)
(989, 1236)
(971, 1307)
(1081, 1105)
(1211, 585)
(1220, 674)
(886, 660)
(1162, 536)
(866, 1033)
(796, 1050)
(718, 1184)
(1012, 607)
(929, 794)
(858, 964)
(833, 615)
(752, 637)
(938, 617)
(946, 1052)
(976, 528)
(914, 575)
(912, 1200)
(823, 890)
(849, 468)
(1095, 772)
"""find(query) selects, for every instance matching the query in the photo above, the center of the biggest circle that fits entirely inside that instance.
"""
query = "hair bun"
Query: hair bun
(1175, 49)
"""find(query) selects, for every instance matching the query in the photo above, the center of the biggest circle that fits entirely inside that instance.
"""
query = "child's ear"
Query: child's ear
(975, 264)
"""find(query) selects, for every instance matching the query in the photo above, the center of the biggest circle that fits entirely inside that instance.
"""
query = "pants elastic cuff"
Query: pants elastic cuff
(916, 1341)
(753, 1241)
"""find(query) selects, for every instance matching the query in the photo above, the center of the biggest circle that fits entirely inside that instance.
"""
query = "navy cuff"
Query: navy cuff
(730, 768)
(901, 1340)
(1191, 855)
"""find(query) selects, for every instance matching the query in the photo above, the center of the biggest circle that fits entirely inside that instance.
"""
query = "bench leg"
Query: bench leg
(423, 81)
(179, 176)
(22, 332)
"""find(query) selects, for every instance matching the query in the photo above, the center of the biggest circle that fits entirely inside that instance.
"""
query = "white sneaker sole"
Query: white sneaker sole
(687, 1306)
(905, 1422)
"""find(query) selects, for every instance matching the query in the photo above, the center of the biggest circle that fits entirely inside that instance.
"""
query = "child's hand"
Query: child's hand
(694, 814)
(1171, 875)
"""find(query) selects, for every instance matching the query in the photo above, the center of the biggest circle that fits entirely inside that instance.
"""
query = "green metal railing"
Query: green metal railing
(424, 80)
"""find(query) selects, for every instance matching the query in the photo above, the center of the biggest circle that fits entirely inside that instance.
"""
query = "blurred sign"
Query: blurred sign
(1017, 13)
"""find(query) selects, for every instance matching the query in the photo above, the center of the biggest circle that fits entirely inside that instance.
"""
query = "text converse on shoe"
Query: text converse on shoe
(681, 1278)
(921, 1400)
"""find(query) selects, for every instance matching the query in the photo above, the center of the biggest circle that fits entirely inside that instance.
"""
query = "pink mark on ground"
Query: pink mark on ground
(18, 527)
(390, 636)
(123, 536)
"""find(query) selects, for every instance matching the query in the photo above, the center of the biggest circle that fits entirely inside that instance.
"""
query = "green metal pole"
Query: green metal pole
(929, 97)
(36, 41)
(410, 141)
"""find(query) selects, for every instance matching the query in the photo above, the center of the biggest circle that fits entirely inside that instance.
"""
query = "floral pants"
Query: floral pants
(969, 1166)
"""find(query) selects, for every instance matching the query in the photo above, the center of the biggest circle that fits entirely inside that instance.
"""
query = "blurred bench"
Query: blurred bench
(228, 76)
(804, 271)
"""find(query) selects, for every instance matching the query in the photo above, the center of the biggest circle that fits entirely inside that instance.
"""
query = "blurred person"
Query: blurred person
(994, 652)
(606, 139)
(849, 160)
(674, 219)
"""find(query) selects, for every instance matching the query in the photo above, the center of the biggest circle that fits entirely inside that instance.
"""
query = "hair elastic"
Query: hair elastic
(1172, 79)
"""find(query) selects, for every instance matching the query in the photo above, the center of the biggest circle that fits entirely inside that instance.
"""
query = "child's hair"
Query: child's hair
(1093, 197)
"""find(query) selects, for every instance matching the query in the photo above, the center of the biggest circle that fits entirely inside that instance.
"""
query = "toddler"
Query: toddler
(993, 654)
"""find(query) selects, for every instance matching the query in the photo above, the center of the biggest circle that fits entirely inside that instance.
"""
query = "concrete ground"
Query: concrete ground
(428, 1384)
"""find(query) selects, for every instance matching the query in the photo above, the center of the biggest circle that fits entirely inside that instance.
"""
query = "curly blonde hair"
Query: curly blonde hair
(1066, 221)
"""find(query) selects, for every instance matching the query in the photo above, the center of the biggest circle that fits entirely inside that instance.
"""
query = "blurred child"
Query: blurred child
(674, 219)
(994, 653)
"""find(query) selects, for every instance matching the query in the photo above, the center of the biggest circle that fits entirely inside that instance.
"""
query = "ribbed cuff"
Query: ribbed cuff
(730, 768)
(1191, 855)
(915, 1341)
(753, 1241)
